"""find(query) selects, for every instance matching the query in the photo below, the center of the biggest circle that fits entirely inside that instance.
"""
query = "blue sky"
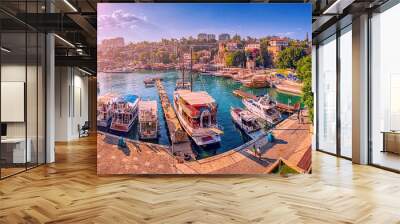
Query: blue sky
(151, 22)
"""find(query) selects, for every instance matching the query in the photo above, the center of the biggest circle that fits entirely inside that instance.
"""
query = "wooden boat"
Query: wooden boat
(125, 111)
(218, 73)
(149, 82)
(148, 119)
(242, 75)
(264, 107)
(197, 113)
(257, 81)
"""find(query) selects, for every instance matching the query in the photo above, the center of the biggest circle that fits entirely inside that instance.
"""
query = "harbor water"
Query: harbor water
(219, 88)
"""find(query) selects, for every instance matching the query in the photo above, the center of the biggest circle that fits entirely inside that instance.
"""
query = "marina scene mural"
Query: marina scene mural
(193, 89)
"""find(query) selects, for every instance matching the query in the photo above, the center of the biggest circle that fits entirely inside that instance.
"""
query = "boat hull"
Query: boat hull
(149, 85)
(123, 128)
(148, 135)
(104, 123)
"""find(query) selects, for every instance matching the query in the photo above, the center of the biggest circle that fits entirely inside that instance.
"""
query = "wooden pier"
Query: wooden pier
(288, 87)
(288, 108)
(244, 94)
(181, 146)
(280, 106)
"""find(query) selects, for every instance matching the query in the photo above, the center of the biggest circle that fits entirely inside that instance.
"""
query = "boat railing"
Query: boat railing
(219, 129)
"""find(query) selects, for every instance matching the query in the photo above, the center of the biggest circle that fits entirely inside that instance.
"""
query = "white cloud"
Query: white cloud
(119, 19)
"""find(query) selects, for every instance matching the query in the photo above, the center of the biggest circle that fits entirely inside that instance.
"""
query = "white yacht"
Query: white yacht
(264, 107)
(246, 120)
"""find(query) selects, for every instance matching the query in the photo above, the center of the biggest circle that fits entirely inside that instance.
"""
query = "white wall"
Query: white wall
(33, 126)
(12, 73)
(71, 93)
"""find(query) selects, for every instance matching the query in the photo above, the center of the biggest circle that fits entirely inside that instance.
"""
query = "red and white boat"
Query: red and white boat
(197, 113)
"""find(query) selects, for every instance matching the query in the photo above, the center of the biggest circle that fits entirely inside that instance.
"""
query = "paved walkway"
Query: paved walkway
(136, 158)
(293, 141)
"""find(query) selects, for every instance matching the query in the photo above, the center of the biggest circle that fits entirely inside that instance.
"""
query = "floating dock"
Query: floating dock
(281, 106)
(181, 145)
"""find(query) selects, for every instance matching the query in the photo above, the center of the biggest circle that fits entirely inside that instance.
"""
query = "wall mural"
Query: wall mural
(204, 88)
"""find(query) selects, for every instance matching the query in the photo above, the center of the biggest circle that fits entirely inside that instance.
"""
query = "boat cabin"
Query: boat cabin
(199, 108)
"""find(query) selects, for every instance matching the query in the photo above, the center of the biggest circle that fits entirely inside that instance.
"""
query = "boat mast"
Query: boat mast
(191, 73)
(182, 59)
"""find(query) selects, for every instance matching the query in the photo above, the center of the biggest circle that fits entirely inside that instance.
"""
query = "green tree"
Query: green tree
(266, 59)
(229, 59)
(304, 74)
(289, 57)
(144, 56)
(236, 58)
(259, 61)
(165, 58)
(173, 58)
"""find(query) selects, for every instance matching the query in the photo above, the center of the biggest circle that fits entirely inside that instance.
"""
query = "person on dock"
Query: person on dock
(299, 118)
(258, 152)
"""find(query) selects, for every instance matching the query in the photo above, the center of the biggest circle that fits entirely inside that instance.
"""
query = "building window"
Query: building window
(345, 59)
(327, 95)
(385, 89)
(22, 101)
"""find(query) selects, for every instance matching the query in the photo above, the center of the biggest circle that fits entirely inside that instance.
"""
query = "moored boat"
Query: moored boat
(149, 82)
(257, 81)
(242, 75)
(197, 113)
(125, 111)
(264, 107)
(218, 73)
(180, 84)
(246, 120)
(104, 114)
(148, 119)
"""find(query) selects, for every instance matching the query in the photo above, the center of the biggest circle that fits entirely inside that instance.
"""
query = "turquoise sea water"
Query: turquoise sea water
(218, 87)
